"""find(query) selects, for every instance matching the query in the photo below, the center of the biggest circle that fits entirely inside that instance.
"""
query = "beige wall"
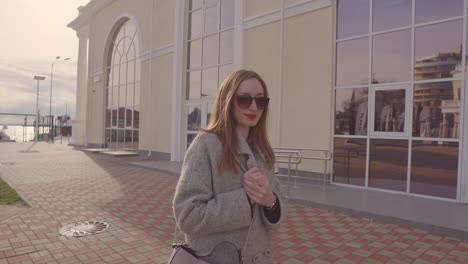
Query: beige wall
(155, 120)
(305, 114)
(262, 49)
(258, 7)
(306, 110)
(307, 80)
(163, 23)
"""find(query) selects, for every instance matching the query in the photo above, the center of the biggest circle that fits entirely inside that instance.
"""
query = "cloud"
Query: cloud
(18, 88)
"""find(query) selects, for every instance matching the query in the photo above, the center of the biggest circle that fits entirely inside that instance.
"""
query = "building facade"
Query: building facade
(380, 83)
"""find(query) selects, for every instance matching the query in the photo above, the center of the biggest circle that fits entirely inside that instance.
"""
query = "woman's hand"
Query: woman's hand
(258, 188)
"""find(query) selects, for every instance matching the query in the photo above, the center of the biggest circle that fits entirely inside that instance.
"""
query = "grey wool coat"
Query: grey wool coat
(211, 208)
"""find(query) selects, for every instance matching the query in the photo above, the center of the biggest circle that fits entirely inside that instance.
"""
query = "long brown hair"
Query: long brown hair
(223, 125)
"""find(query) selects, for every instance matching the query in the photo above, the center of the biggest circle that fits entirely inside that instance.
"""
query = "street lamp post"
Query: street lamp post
(51, 129)
(37, 78)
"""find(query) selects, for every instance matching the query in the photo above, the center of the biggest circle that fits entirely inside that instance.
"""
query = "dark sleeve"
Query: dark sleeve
(273, 214)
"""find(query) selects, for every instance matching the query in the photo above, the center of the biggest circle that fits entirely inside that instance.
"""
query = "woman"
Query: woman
(227, 199)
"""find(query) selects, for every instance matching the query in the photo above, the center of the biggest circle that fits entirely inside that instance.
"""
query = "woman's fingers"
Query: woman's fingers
(257, 187)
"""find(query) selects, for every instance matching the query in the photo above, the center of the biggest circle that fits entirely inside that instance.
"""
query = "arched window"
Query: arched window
(123, 89)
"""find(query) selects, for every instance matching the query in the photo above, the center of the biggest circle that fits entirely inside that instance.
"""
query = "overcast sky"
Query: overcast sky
(34, 33)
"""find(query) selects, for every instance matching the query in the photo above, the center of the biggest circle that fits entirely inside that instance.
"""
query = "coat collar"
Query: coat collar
(246, 151)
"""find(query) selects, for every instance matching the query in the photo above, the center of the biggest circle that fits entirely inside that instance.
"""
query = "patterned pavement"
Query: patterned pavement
(63, 185)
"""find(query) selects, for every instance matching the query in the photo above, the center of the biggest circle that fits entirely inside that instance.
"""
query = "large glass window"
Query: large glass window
(391, 55)
(351, 111)
(350, 161)
(398, 94)
(436, 110)
(210, 40)
(438, 50)
(388, 164)
(123, 89)
(353, 18)
(352, 62)
(389, 111)
(434, 168)
(391, 14)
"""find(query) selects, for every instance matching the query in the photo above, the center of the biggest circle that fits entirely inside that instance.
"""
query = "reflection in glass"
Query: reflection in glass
(353, 18)
(352, 62)
(211, 20)
(436, 111)
(349, 163)
(438, 50)
(391, 58)
(128, 140)
(121, 117)
(135, 139)
(227, 14)
(209, 82)
(351, 111)
(128, 117)
(210, 51)
(194, 54)
(209, 111)
(195, 24)
(434, 167)
(107, 138)
(388, 163)
(391, 14)
(193, 118)
(136, 117)
(120, 138)
(113, 138)
(114, 118)
(389, 110)
(431, 10)
(226, 46)
(108, 117)
(190, 138)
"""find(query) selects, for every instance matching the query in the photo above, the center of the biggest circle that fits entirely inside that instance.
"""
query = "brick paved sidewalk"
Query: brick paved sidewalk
(64, 185)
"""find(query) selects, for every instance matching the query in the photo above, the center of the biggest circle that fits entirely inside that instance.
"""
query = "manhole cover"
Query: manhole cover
(84, 228)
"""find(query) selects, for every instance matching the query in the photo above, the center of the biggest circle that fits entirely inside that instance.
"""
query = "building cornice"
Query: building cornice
(86, 12)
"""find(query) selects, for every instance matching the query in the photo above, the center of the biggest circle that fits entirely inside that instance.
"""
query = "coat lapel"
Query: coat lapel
(246, 152)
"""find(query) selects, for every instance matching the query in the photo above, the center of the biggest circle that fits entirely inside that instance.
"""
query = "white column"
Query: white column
(177, 74)
(79, 122)
(238, 51)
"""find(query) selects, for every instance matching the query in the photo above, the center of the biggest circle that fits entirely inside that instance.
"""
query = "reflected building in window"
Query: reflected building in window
(437, 66)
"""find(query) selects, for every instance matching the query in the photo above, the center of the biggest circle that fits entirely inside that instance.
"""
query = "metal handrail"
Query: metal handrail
(294, 156)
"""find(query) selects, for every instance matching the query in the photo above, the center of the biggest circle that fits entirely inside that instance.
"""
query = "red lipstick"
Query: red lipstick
(251, 116)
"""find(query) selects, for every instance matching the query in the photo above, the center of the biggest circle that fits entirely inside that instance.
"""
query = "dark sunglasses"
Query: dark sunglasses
(244, 101)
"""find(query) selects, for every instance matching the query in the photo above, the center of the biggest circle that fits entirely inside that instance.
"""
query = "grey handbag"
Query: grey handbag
(182, 254)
